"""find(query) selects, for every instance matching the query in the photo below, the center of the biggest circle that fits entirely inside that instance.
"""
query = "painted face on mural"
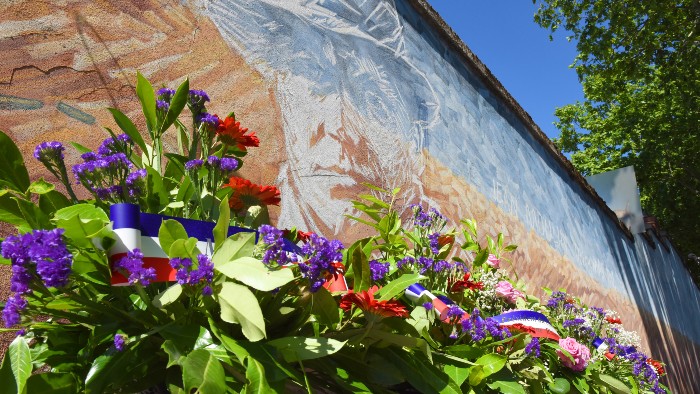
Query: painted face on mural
(353, 107)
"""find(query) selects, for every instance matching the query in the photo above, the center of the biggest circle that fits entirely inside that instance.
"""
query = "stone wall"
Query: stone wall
(341, 93)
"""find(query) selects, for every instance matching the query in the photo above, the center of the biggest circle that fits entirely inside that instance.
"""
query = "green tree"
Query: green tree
(639, 64)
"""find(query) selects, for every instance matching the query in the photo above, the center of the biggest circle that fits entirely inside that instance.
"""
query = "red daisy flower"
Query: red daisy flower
(366, 302)
(466, 284)
(247, 194)
(230, 132)
(613, 320)
(657, 366)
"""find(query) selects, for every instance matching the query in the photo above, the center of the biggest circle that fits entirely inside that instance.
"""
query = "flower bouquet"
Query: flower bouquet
(167, 274)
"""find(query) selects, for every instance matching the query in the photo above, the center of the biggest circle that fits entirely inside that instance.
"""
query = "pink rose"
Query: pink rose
(506, 291)
(493, 261)
(579, 352)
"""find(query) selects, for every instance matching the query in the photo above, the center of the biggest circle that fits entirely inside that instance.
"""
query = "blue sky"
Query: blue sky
(503, 34)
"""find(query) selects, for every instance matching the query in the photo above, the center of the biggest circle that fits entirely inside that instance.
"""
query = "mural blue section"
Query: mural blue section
(374, 70)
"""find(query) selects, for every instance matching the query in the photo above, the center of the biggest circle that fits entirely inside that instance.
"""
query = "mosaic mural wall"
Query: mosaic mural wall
(344, 92)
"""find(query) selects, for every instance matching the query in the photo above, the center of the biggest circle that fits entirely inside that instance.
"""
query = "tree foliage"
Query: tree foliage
(639, 64)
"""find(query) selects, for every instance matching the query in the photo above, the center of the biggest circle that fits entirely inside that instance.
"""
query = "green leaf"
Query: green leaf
(184, 248)
(41, 187)
(560, 386)
(203, 372)
(177, 103)
(324, 307)
(476, 375)
(16, 366)
(239, 306)
(492, 363)
(507, 387)
(127, 127)
(360, 265)
(52, 201)
(52, 382)
(255, 373)
(80, 148)
(86, 213)
(148, 102)
(398, 285)
(302, 348)
(255, 274)
(222, 225)
(157, 196)
(167, 296)
(12, 168)
(169, 232)
(236, 246)
(613, 384)
(140, 364)
(457, 374)
(417, 370)
(10, 213)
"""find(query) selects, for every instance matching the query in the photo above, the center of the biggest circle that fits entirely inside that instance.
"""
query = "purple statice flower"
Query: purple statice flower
(197, 98)
(214, 161)
(454, 311)
(273, 243)
(573, 322)
(420, 217)
(321, 258)
(89, 156)
(12, 313)
(434, 244)
(533, 348)
(136, 183)
(599, 311)
(114, 145)
(119, 342)
(100, 174)
(210, 121)
(44, 249)
(425, 264)
(454, 335)
(203, 274)
(556, 300)
(228, 165)
(132, 263)
(475, 326)
(194, 165)
(49, 152)
(428, 305)
(162, 105)
(495, 329)
(165, 94)
(378, 270)
(408, 260)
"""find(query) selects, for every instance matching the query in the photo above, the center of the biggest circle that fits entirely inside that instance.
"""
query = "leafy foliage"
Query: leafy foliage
(637, 62)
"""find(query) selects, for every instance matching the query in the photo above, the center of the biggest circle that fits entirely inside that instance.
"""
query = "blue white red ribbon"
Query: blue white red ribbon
(602, 347)
(535, 322)
(414, 293)
(136, 229)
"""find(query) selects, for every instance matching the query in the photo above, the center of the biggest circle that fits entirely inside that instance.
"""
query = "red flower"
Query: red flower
(247, 194)
(613, 320)
(657, 366)
(366, 302)
(300, 235)
(466, 284)
(445, 239)
(230, 132)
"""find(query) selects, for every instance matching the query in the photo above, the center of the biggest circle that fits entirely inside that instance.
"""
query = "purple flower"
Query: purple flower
(208, 120)
(573, 322)
(132, 263)
(228, 164)
(378, 270)
(194, 165)
(434, 244)
(274, 244)
(428, 305)
(556, 300)
(89, 156)
(49, 152)
(114, 145)
(119, 342)
(43, 248)
(213, 161)
(454, 311)
(322, 256)
(197, 98)
(408, 260)
(162, 105)
(533, 348)
(11, 314)
(165, 93)
(135, 183)
(185, 275)
(207, 291)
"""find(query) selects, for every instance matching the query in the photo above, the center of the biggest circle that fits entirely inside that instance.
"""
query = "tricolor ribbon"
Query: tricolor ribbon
(602, 347)
(441, 304)
(136, 229)
(536, 322)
